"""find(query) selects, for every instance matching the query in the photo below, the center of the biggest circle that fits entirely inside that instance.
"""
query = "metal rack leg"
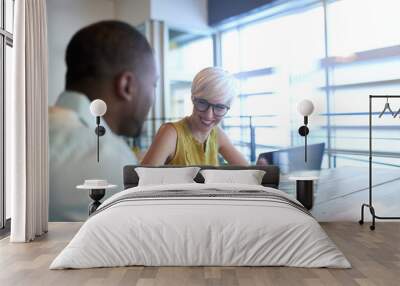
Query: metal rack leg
(372, 210)
(374, 216)
(361, 221)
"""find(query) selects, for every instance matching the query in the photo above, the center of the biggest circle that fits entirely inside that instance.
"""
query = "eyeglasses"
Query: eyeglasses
(203, 105)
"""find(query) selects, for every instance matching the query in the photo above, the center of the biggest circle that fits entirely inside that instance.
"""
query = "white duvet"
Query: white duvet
(200, 231)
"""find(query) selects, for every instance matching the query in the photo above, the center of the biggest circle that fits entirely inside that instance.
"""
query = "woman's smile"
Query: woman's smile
(207, 122)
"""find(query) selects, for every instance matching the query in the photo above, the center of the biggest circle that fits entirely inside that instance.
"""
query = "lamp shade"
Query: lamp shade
(305, 107)
(98, 107)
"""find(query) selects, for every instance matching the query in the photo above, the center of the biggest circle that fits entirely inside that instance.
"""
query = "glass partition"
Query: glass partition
(187, 54)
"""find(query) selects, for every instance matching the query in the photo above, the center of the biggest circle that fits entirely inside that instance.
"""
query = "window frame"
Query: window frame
(6, 39)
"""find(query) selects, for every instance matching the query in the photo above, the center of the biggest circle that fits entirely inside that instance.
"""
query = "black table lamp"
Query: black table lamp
(305, 108)
(98, 108)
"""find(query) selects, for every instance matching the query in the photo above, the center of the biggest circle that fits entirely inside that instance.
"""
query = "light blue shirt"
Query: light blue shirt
(73, 157)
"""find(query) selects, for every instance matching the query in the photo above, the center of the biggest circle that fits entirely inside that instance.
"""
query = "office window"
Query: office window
(6, 60)
(360, 25)
(277, 64)
(9, 19)
(188, 54)
(290, 56)
(8, 89)
(364, 58)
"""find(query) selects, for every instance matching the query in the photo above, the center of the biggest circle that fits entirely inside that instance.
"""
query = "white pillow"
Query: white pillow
(248, 177)
(164, 176)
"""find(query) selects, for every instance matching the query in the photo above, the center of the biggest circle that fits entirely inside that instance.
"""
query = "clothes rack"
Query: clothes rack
(370, 205)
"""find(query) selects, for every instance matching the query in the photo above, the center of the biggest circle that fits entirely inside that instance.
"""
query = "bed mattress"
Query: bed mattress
(201, 225)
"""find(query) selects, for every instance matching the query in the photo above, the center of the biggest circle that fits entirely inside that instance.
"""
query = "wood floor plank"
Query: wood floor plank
(374, 255)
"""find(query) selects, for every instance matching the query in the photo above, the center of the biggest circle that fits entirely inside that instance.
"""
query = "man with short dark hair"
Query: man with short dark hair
(112, 61)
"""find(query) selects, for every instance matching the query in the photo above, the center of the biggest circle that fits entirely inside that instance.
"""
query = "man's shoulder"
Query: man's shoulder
(70, 137)
(59, 116)
(67, 133)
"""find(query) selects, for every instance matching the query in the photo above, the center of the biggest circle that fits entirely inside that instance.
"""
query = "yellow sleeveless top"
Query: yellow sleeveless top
(189, 151)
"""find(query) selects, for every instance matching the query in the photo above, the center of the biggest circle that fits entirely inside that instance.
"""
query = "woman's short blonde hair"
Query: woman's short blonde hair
(214, 83)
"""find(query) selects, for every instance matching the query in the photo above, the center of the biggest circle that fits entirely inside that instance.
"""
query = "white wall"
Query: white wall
(184, 14)
(64, 18)
(135, 12)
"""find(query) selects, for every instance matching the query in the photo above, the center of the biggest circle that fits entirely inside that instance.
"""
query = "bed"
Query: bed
(201, 224)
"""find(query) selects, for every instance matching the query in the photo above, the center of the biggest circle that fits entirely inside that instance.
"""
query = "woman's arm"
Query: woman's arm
(163, 147)
(228, 151)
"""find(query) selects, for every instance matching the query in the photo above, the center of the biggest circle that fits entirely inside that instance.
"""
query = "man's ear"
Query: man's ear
(126, 85)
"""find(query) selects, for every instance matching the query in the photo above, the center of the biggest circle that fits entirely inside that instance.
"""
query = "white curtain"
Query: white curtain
(27, 123)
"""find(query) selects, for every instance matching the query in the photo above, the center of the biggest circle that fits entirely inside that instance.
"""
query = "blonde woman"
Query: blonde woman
(197, 139)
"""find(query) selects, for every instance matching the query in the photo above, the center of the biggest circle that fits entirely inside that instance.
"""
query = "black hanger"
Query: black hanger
(387, 107)
(397, 113)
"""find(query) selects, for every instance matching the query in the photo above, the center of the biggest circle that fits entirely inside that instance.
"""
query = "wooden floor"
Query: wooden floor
(339, 193)
(374, 255)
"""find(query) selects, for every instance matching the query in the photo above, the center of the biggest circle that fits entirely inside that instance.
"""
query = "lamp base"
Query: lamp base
(305, 193)
(96, 195)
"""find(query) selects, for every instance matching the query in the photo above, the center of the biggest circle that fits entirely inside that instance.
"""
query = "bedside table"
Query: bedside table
(304, 189)
(97, 190)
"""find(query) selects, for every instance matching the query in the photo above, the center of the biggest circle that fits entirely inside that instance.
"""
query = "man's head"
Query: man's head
(111, 60)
